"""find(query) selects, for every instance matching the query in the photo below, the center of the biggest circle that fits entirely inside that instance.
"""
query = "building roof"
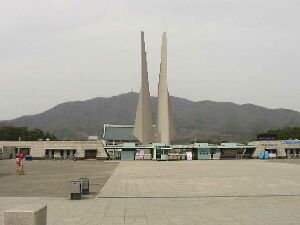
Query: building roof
(118, 133)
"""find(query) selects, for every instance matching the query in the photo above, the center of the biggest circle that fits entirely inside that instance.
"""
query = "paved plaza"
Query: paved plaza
(50, 178)
(219, 192)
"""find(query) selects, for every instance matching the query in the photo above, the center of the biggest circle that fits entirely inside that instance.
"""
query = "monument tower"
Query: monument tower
(164, 127)
(143, 120)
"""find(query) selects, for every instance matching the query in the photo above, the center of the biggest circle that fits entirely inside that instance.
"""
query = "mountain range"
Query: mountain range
(201, 120)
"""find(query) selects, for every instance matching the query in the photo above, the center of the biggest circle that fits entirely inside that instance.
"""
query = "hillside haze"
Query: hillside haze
(203, 120)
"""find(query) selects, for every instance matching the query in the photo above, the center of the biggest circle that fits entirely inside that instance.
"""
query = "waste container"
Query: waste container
(76, 189)
(261, 154)
(266, 155)
(85, 185)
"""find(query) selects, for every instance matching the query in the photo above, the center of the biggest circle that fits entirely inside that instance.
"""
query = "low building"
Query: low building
(7, 152)
(196, 151)
(118, 134)
(54, 149)
(277, 148)
(130, 150)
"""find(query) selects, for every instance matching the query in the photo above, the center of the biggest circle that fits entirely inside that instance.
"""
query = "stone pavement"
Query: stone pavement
(49, 178)
(183, 192)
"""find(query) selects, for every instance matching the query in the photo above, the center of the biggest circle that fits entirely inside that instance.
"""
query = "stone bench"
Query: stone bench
(26, 215)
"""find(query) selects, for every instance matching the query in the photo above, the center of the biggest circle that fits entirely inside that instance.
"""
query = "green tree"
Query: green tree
(14, 133)
(286, 133)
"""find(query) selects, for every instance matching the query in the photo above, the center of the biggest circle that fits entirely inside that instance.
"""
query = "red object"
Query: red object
(19, 162)
(20, 155)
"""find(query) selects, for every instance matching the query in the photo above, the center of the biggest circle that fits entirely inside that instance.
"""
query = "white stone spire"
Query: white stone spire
(143, 120)
(164, 116)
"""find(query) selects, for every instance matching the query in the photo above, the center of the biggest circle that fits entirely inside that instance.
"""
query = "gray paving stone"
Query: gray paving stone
(197, 192)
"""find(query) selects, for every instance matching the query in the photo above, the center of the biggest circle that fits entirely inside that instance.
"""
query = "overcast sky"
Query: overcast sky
(242, 51)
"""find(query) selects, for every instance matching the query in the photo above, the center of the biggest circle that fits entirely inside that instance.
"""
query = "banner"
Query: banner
(290, 142)
(189, 156)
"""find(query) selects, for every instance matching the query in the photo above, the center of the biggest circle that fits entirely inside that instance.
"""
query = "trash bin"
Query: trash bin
(76, 189)
(85, 185)
(261, 154)
(267, 155)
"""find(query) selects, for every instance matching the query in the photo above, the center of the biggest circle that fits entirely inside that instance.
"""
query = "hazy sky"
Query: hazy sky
(242, 51)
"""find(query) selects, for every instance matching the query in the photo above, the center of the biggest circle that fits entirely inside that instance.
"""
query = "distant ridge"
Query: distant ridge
(202, 120)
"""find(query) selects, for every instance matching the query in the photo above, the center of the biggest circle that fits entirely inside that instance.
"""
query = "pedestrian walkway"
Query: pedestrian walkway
(198, 192)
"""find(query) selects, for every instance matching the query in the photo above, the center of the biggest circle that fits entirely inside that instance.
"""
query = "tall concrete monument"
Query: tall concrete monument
(143, 120)
(164, 129)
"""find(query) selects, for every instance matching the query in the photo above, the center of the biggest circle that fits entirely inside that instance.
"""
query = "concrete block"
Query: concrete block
(26, 215)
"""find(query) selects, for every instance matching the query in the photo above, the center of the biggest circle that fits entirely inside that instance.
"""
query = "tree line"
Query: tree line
(9, 133)
(286, 133)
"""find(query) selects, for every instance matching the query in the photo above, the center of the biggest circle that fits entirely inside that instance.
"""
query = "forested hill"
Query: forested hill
(203, 120)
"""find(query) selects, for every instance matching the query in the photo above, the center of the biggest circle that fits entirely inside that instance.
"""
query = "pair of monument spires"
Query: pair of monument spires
(143, 126)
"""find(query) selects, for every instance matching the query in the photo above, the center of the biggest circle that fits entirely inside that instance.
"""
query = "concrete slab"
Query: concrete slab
(198, 192)
(26, 215)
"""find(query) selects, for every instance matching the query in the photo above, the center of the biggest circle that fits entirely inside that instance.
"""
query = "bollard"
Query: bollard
(26, 215)
(85, 185)
(76, 189)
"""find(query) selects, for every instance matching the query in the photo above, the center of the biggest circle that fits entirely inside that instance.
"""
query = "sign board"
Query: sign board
(189, 156)
(266, 137)
(290, 142)
(140, 154)
(93, 138)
